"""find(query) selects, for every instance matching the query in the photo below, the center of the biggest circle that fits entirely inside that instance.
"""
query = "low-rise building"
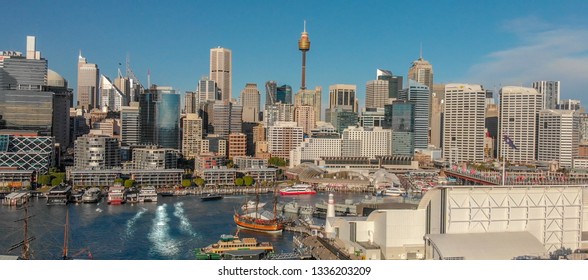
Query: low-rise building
(219, 176)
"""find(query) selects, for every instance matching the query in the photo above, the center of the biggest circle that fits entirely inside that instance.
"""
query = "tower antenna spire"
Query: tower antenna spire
(421, 52)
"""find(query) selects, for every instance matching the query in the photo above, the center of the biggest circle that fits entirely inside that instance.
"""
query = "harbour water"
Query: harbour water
(170, 229)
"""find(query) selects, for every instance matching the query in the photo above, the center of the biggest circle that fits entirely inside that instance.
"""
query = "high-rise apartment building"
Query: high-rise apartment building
(250, 100)
(376, 93)
(557, 137)
(221, 71)
(88, 84)
(191, 135)
(437, 108)
(419, 94)
(155, 158)
(519, 107)
(191, 102)
(96, 153)
(304, 117)
(463, 123)
(550, 90)
(282, 137)
(237, 145)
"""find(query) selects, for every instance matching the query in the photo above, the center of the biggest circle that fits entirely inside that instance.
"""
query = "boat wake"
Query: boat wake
(163, 243)
(131, 222)
(185, 226)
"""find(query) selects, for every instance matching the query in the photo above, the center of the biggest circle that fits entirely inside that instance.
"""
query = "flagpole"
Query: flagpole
(503, 163)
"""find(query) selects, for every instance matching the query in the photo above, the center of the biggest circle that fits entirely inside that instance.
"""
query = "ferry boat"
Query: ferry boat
(76, 196)
(393, 191)
(298, 189)
(148, 194)
(92, 195)
(232, 243)
(59, 195)
(116, 195)
(132, 195)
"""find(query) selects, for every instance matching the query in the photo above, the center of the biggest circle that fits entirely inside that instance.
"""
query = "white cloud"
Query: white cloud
(544, 52)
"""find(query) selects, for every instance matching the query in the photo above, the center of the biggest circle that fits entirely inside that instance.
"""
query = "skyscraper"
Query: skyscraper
(160, 117)
(400, 117)
(376, 93)
(550, 90)
(310, 97)
(304, 117)
(250, 100)
(271, 92)
(394, 82)
(88, 84)
(221, 71)
(284, 94)
(421, 71)
(111, 96)
(344, 97)
(191, 102)
(518, 119)
(23, 72)
(208, 90)
(463, 123)
(191, 135)
(130, 120)
(227, 118)
(419, 94)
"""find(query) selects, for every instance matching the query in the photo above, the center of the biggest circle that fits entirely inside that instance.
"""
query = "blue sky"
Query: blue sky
(492, 43)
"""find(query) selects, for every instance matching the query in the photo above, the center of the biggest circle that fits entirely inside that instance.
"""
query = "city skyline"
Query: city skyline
(493, 45)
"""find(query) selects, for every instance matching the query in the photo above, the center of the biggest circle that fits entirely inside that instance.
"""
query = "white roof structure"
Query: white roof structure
(486, 246)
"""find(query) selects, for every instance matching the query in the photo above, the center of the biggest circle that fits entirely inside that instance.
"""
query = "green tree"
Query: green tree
(186, 183)
(56, 181)
(129, 183)
(239, 181)
(276, 161)
(230, 163)
(199, 182)
(44, 180)
(119, 180)
(248, 180)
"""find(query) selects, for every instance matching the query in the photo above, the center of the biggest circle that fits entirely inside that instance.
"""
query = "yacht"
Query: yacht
(92, 195)
(393, 191)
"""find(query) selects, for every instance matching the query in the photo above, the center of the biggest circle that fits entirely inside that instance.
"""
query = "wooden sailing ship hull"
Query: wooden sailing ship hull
(270, 226)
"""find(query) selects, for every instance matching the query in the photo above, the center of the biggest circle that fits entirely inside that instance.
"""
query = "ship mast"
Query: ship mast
(65, 235)
(26, 242)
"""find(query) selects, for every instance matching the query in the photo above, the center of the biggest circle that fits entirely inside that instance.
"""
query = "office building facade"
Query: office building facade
(221, 71)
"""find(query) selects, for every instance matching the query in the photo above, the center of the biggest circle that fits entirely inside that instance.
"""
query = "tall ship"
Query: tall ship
(92, 195)
(59, 195)
(263, 220)
(298, 189)
(148, 194)
(116, 195)
(231, 244)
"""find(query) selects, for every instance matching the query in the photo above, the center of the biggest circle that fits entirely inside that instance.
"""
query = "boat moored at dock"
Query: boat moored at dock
(116, 195)
(92, 195)
(148, 194)
(59, 195)
(210, 196)
(298, 189)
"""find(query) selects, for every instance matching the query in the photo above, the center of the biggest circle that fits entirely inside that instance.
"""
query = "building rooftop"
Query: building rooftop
(486, 246)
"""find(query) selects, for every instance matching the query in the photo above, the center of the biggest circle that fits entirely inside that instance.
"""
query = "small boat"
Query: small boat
(298, 189)
(229, 244)
(166, 193)
(211, 196)
(393, 191)
(92, 195)
(116, 195)
(59, 195)
(148, 194)
(252, 205)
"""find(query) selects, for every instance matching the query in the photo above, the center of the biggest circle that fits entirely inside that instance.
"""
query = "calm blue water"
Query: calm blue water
(169, 229)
